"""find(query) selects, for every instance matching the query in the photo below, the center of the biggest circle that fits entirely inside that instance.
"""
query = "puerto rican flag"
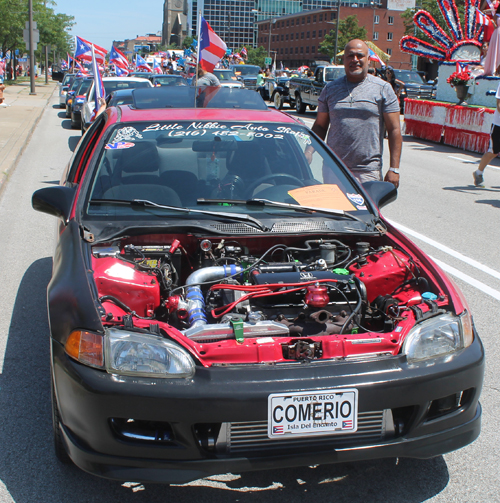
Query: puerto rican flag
(84, 51)
(118, 58)
(244, 53)
(99, 91)
(211, 47)
(156, 67)
(373, 56)
(121, 72)
(462, 67)
(77, 64)
(140, 64)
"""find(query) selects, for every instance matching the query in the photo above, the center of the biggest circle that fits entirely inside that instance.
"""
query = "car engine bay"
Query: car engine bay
(250, 300)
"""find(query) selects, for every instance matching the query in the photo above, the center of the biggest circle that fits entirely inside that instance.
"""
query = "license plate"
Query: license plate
(311, 413)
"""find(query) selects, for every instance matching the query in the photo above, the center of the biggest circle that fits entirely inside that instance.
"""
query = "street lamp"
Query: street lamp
(335, 46)
(271, 22)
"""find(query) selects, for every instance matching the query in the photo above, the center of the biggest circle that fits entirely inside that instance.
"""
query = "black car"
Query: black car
(414, 86)
(225, 297)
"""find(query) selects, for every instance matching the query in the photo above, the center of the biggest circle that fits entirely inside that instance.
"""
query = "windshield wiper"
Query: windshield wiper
(276, 204)
(230, 216)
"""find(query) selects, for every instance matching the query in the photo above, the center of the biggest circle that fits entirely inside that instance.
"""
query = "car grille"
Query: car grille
(250, 83)
(418, 93)
(250, 437)
(280, 227)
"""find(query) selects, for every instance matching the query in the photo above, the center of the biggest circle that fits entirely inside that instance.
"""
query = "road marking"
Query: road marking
(463, 160)
(468, 279)
(446, 249)
(471, 162)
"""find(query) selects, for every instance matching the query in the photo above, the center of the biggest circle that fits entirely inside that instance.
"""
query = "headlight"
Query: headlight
(134, 354)
(130, 353)
(441, 335)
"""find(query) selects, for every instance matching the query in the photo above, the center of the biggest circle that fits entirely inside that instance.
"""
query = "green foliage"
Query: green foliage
(186, 44)
(257, 56)
(54, 28)
(348, 30)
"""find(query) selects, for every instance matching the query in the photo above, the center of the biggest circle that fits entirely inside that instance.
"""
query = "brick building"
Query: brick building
(295, 38)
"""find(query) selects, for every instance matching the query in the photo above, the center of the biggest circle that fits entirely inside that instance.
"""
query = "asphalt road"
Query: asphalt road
(453, 221)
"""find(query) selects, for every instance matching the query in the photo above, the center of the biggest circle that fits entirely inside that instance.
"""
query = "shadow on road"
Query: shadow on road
(73, 142)
(62, 115)
(29, 471)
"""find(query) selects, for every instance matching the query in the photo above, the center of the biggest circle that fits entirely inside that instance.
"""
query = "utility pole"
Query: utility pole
(31, 49)
(336, 46)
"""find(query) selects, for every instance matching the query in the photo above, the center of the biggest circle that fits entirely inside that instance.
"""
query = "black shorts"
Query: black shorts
(495, 139)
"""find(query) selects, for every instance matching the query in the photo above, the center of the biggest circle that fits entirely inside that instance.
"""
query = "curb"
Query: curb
(24, 138)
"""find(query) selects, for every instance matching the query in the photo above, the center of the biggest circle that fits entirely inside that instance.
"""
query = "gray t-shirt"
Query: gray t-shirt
(209, 79)
(356, 111)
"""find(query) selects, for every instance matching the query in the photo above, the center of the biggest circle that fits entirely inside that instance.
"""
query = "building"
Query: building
(295, 38)
(140, 44)
(175, 22)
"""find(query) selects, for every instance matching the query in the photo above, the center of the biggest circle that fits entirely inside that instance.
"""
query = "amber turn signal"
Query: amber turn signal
(85, 347)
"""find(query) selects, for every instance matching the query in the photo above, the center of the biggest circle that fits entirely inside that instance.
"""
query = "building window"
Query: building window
(286, 38)
(308, 19)
(333, 15)
(296, 50)
(281, 50)
(308, 35)
(282, 37)
(321, 17)
(389, 51)
(286, 50)
(314, 19)
(375, 35)
(320, 33)
(307, 49)
(302, 35)
(314, 34)
(313, 49)
(288, 22)
(390, 20)
(376, 19)
(303, 20)
(292, 22)
(389, 37)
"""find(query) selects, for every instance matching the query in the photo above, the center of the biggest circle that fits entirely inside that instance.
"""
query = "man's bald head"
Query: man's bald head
(356, 60)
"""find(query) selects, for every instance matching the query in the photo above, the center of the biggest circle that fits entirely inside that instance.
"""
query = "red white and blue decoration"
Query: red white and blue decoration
(140, 64)
(99, 91)
(118, 58)
(211, 47)
(373, 56)
(453, 47)
(84, 51)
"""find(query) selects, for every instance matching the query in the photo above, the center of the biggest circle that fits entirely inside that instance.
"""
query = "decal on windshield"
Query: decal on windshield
(119, 145)
(358, 200)
(127, 133)
(326, 196)
(298, 134)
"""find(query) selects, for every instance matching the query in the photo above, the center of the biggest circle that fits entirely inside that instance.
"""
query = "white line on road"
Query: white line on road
(446, 249)
(471, 162)
(468, 279)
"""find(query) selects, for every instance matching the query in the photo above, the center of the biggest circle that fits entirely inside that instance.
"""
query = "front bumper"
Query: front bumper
(90, 401)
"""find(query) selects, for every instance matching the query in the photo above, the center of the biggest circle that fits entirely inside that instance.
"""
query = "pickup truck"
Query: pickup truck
(304, 92)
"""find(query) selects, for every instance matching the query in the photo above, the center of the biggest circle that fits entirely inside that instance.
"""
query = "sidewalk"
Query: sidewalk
(18, 121)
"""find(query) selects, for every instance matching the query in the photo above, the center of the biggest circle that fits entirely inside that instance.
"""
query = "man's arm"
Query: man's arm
(320, 127)
(393, 127)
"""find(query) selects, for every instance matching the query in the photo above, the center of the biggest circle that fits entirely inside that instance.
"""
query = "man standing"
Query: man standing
(356, 108)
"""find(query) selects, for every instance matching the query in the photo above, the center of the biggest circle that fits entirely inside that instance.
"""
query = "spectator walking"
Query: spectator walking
(353, 110)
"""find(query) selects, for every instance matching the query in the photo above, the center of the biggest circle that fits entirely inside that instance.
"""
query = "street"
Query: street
(438, 207)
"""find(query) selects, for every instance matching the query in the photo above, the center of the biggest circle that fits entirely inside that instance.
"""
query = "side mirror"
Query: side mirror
(56, 201)
(381, 193)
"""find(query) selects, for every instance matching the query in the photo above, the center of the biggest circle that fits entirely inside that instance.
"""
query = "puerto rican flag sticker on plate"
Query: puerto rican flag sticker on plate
(119, 145)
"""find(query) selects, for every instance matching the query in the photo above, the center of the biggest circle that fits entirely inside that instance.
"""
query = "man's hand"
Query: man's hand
(393, 178)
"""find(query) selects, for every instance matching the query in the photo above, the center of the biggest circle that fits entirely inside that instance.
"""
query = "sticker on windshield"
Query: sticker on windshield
(127, 133)
(357, 199)
(119, 145)
(326, 196)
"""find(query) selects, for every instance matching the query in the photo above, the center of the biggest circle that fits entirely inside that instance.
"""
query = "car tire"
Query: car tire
(299, 106)
(278, 101)
(59, 449)
(312, 107)
(74, 124)
(68, 113)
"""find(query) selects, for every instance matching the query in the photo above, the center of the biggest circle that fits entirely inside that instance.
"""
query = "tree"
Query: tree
(348, 30)
(186, 43)
(257, 56)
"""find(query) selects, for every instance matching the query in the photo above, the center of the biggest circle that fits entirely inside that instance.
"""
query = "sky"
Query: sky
(102, 21)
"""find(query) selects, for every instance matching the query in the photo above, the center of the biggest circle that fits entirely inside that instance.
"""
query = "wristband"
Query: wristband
(394, 170)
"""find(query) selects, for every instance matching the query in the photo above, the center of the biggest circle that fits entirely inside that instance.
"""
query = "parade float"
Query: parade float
(462, 113)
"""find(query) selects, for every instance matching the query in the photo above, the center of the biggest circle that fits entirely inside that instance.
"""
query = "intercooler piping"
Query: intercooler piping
(194, 296)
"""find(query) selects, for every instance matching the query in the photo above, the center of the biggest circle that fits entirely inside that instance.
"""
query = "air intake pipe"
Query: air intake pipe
(194, 296)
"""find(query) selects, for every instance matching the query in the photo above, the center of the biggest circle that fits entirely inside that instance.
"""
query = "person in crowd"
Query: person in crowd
(260, 78)
(206, 78)
(489, 8)
(390, 77)
(353, 110)
(494, 146)
(492, 59)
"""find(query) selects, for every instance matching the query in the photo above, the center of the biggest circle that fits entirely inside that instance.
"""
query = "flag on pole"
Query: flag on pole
(118, 58)
(156, 67)
(99, 91)
(244, 53)
(140, 64)
(373, 56)
(121, 72)
(212, 47)
(84, 51)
